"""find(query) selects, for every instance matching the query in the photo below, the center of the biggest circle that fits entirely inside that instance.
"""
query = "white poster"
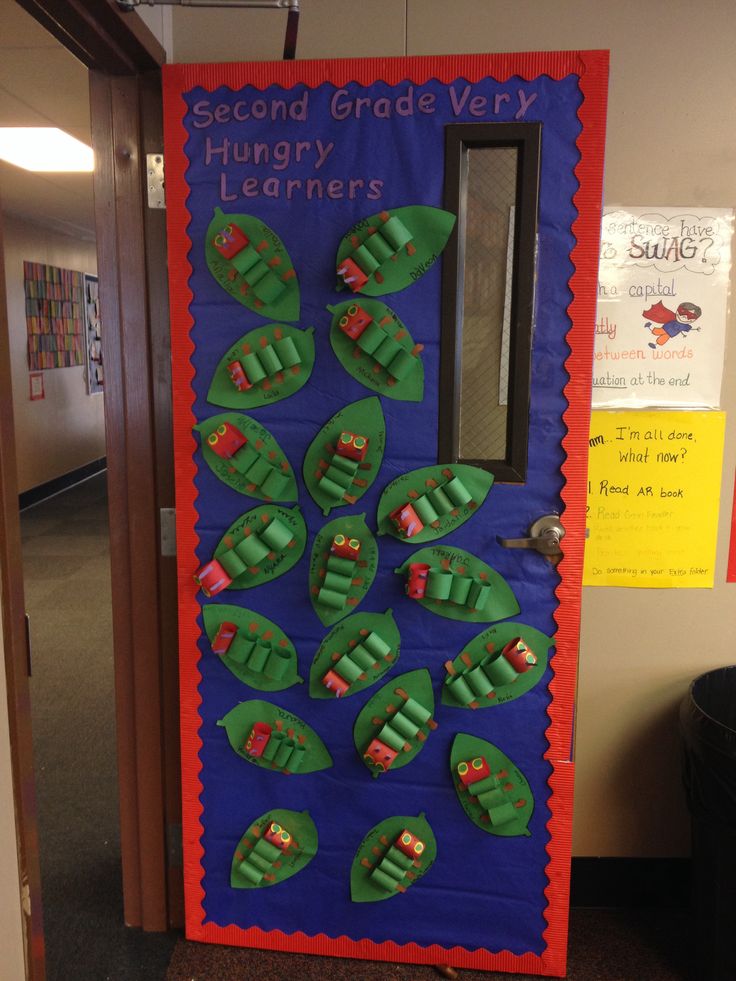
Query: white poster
(662, 304)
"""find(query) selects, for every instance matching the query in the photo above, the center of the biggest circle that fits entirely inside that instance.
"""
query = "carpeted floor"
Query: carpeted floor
(67, 580)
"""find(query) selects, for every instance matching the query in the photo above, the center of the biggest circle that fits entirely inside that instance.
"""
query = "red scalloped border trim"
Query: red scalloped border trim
(592, 69)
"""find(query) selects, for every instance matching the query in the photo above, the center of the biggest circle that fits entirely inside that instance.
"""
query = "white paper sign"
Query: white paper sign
(662, 305)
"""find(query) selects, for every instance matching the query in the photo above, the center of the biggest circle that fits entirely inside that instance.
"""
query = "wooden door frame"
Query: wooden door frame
(124, 60)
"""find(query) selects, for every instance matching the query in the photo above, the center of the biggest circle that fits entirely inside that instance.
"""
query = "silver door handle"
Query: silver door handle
(545, 536)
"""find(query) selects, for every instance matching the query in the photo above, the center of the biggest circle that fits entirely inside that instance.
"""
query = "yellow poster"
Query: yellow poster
(654, 482)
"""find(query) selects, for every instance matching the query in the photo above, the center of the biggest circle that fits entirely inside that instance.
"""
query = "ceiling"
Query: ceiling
(41, 84)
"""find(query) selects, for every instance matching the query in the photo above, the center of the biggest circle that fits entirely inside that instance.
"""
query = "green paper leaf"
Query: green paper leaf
(363, 367)
(300, 852)
(489, 644)
(352, 526)
(465, 748)
(416, 483)
(384, 706)
(271, 251)
(346, 636)
(273, 387)
(254, 626)
(365, 890)
(240, 720)
(259, 439)
(501, 604)
(256, 520)
(364, 418)
(430, 229)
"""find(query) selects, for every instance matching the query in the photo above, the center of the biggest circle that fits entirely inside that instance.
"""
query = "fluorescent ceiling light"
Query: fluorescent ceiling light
(44, 148)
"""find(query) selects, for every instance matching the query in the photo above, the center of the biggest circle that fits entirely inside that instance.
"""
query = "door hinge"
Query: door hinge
(167, 519)
(155, 180)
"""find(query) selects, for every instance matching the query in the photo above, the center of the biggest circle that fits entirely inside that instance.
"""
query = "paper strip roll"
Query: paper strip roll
(259, 861)
(253, 368)
(296, 759)
(364, 260)
(379, 247)
(439, 584)
(457, 492)
(363, 658)
(460, 690)
(484, 786)
(258, 656)
(338, 476)
(398, 858)
(402, 365)
(336, 601)
(404, 725)
(252, 550)
(275, 484)
(258, 472)
(284, 752)
(396, 232)
(376, 645)
(333, 490)
(424, 509)
(257, 272)
(272, 746)
(416, 712)
(386, 351)
(348, 669)
(232, 563)
(269, 288)
(277, 535)
(479, 595)
(440, 501)
(244, 458)
(267, 850)
(490, 798)
(387, 866)
(240, 649)
(270, 360)
(371, 337)
(250, 873)
(460, 589)
(245, 259)
(500, 671)
(391, 738)
(288, 352)
(343, 567)
(382, 880)
(276, 663)
(502, 814)
(479, 681)
(344, 463)
(337, 583)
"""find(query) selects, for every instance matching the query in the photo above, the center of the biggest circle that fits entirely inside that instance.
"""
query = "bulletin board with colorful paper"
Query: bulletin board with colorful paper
(54, 316)
(376, 697)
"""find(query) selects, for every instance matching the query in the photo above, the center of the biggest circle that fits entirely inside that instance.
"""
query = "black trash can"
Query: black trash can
(708, 727)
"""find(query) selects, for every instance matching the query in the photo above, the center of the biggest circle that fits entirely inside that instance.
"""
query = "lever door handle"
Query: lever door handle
(545, 536)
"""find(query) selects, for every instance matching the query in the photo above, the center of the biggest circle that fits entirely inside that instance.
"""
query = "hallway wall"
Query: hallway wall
(66, 429)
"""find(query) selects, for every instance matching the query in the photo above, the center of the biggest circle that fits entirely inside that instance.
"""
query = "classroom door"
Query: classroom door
(365, 436)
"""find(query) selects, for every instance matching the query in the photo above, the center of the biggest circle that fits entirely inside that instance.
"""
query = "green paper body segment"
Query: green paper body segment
(364, 418)
(509, 797)
(261, 275)
(484, 651)
(249, 654)
(287, 346)
(376, 649)
(414, 715)
(310, 753)
(415, 235)
(253, 523)
(385, 357)
(461, 490)
(260, 469)
(255, 856)
(329, 603)
(375, 877)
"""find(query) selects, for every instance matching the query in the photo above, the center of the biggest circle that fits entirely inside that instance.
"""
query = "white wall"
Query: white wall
(66, 429)
(670, 142)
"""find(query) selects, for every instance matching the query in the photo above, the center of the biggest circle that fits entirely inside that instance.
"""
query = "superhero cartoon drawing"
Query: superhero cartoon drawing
(664, 323)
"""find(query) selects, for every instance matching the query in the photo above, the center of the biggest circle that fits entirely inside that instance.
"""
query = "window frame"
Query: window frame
(460, 138)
